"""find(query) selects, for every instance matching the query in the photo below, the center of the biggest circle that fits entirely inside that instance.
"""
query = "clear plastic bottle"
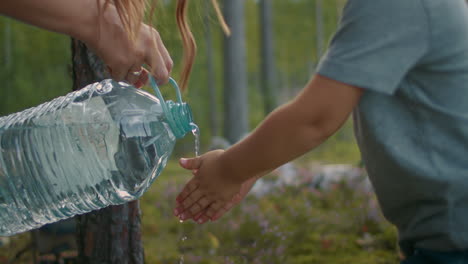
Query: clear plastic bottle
(102, 145)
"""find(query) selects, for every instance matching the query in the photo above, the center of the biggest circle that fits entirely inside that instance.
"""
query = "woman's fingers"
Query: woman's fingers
(124, 56)
(154, 56)
(125, 67)
(143, 80)
(148, 49)
(118, 72)
(134, 74)
(165, 54)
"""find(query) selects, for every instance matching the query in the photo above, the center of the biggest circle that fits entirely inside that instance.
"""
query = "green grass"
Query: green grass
(291, 225)
(339, 148)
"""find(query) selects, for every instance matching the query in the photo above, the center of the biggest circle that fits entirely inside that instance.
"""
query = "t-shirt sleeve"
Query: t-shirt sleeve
(377, 43)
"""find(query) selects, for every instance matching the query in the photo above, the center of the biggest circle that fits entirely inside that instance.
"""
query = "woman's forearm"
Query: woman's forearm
(76, 18)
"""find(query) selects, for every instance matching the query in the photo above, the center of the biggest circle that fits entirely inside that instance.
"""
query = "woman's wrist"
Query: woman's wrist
(85, 26)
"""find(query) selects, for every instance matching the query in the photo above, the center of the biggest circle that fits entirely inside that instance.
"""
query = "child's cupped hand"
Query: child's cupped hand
(212, 191)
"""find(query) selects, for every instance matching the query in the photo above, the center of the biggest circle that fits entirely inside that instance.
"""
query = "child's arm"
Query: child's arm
(287, 133)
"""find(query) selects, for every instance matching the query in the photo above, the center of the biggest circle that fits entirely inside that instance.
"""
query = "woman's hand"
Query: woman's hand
(124, 57)
(103, 32)
(211, 192)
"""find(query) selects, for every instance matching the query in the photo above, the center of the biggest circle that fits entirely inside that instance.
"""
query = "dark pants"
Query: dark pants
(423, 256)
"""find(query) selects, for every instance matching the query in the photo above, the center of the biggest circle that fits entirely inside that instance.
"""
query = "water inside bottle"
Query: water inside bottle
(73, 157)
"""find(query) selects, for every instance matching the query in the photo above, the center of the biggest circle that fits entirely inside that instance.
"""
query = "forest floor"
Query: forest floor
(300, 213)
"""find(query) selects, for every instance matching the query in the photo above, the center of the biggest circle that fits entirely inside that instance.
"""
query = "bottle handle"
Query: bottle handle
(159, 95)
(178, 114)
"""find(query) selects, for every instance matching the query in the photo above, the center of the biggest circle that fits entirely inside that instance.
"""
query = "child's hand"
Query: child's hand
(211, 192)
(245, 188)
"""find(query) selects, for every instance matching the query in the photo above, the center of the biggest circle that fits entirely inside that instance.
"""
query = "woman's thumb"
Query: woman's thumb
(190, 164)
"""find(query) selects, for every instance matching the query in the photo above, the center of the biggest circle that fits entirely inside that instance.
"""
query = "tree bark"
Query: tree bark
(236, 123)
(111, 235)
(7, 50)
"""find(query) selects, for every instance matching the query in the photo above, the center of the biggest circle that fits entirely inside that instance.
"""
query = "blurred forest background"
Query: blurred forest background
(36, 64)
(302, 221)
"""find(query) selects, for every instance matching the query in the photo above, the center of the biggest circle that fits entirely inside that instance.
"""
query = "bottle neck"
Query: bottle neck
(179, 117)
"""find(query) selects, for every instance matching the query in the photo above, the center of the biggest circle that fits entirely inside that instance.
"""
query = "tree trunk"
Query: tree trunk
(236, 122)
(111, 235)
(7, 50)
(267, 56)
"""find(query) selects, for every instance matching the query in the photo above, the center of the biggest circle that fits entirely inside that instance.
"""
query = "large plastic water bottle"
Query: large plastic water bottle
(102, 145)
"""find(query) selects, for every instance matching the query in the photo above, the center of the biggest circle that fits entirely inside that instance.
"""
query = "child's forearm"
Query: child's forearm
(292, 130)
(276, 141)
(76, 18)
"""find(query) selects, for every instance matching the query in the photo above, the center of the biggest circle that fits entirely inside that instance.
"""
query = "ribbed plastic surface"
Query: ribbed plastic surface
(102, 145)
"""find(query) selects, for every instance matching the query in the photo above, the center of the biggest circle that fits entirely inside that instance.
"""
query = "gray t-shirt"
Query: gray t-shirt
(411, 57)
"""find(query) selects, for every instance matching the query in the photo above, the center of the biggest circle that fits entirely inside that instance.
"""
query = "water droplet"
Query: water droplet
(196, 134)
(181, 259)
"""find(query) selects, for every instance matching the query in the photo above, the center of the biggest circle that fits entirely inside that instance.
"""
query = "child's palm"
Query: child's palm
(209, 191)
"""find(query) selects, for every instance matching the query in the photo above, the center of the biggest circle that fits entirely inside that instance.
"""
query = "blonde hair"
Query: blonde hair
(132, 12)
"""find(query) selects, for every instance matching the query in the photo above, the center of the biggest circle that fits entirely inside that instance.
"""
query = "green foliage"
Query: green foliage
(295, 224)
(292, 225)
(39, 65)
(339, 148)
(35, 66)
